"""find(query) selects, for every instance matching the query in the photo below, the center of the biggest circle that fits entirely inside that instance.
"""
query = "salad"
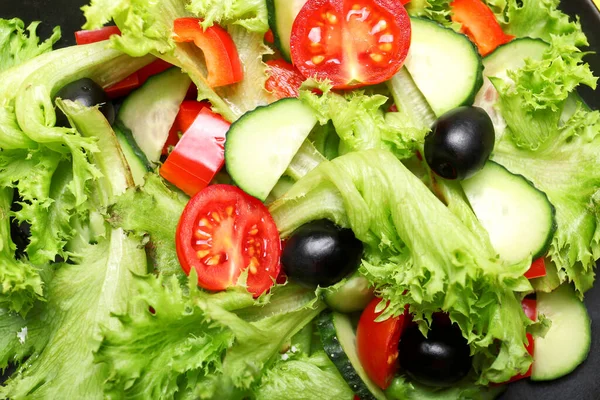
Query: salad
(307, 199)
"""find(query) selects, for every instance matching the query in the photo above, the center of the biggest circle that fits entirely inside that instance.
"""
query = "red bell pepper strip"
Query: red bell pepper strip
(154, 68)
(96, 35)
(479, 24)
(199, 155)
(530, 309)
(284, 79)
(269, 37)
(222, 59)
(124, 87)
(188, 111)
(537, 269)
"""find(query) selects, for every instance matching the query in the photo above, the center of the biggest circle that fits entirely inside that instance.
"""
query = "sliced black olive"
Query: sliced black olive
(320, 253)
(88, 93)
(441, 359)
(460, 143)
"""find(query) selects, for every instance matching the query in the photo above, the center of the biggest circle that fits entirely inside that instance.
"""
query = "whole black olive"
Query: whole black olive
(460, 142)
(88, 93)
(319, 253)
(441, 359)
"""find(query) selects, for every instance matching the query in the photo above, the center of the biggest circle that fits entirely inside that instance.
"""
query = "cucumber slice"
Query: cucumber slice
(444, 64)
(262, 143)
(511, 56)
(149, 112)
(282, 14)
(518, 217)
(339, 342)
(354, 294)
(138, 163)
(409, 98)
(567, 343)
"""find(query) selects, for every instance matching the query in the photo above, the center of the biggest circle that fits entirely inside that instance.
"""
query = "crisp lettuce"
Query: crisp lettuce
(250, 14)
(313, 377)
(360, 122)
(418, 253)
(16, 46)
(436, 10)
(215, 343)
(402, 388)
(131, 212)
(567, 169)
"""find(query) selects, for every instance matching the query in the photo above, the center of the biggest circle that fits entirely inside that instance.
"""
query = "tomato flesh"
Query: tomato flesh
(222, 232)
(377, 344)
(284, 79)
(351, 43)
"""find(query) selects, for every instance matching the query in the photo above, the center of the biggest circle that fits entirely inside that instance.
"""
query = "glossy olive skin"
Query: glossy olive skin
(441, 359)
(88, 93)
(460, 142)
(320, 253)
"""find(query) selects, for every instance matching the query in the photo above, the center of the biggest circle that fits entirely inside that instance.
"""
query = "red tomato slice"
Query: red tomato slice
(199, 154)
(224, 231)
(96, 35)
(537, 269)
(284, 79)
(351, 43)
(221, 56)
(479, 24)
(377, 344)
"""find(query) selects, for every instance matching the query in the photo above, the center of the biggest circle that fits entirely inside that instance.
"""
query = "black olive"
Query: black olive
(88, 93)
(441, 359)
(460, 142)
(319, 253)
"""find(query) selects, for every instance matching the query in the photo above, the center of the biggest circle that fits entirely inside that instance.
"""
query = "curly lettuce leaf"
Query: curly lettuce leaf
(65, 332)
(131, 212)
(20, 282)
(360, 123)
(567, 169)
(209, 348)
(402, 388)
(398, 218)
(250, 14)
(436, 10)
(16, 46)
(313, 377)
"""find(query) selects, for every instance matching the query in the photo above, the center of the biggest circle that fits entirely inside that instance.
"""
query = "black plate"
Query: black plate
(584, 383)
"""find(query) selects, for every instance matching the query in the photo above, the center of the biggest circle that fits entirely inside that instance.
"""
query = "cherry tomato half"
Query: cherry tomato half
(350, 42)
(284, 79)
(377, 344)
(224, 231)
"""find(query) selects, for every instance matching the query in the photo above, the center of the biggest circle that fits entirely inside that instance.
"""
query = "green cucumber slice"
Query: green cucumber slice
(567, 342)
(262, 143)
(282, 14)
(518, 217)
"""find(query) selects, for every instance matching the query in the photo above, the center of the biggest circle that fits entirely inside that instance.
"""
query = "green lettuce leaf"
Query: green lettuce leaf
(65, 331)
(567, 169)
(398, 219)
(131, 212)
(402, 388)
(313, 377)
(361, 124)
(209, 348)
(532, 98)
(16, 46)
(20, 282)
(436, 10)
(250, 14)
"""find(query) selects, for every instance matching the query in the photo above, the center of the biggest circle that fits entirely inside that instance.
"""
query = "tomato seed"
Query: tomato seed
(317, 60)
(385, 47)
(332, 18)
(202, 253)
(214, 260)
(229, 211)
(251, 251)
(216, 217)
(376, 57)
(204, 222)
(200, 234)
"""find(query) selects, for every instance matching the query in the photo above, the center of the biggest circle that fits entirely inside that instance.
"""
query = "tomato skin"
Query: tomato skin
(96, 35)
(222, 59)
(479, 24)
(537, 269)
(377, 344)
(363, 42)
(199, 154)
(284, 79)
(221, 220)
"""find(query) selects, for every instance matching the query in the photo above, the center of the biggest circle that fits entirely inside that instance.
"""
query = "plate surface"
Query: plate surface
(584, 383)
